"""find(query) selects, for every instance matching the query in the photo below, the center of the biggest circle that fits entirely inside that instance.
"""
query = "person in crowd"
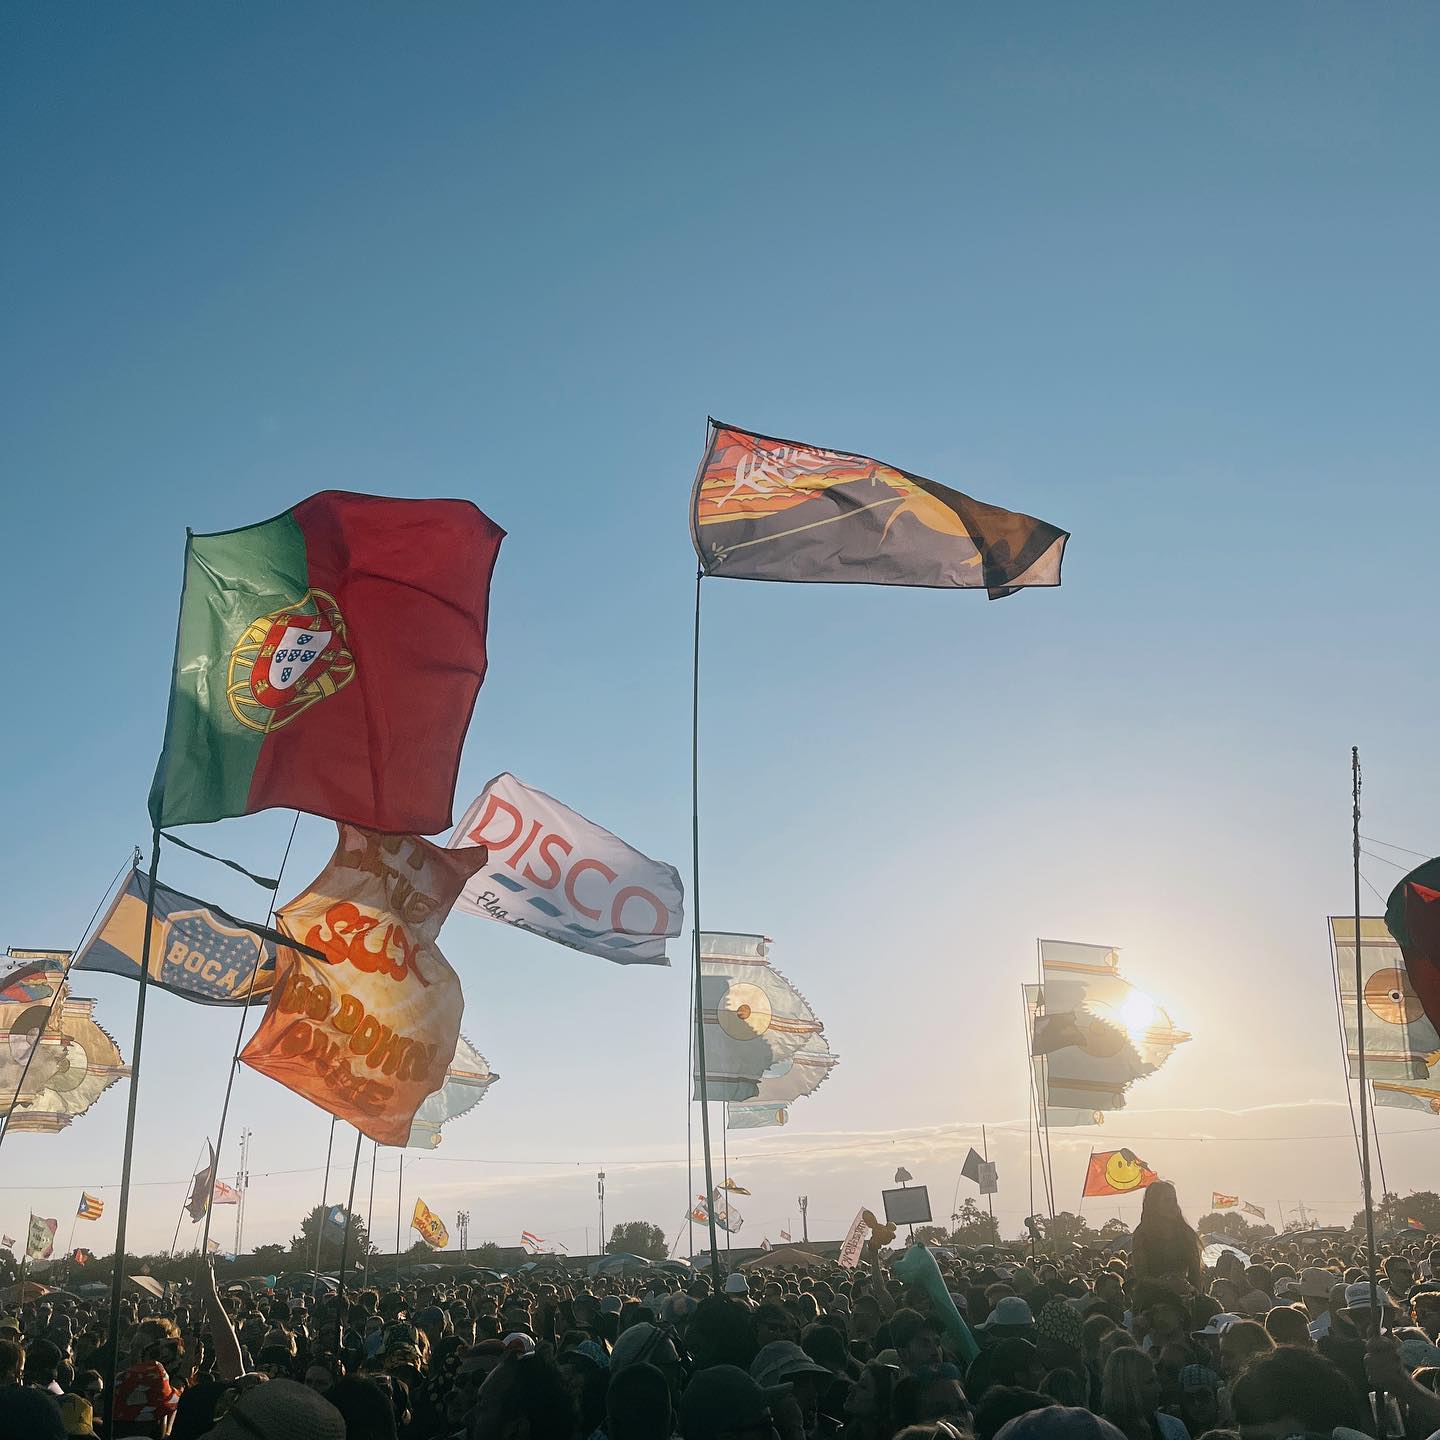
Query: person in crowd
(1165, 1246)
(1130, 1399)
(1293, 1392)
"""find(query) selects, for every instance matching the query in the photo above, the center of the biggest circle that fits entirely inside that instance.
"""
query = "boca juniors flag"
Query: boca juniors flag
(197, 951)
(769, 509)
(328, 660)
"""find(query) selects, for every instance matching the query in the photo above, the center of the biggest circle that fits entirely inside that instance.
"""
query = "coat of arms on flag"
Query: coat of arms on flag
(91, 1206)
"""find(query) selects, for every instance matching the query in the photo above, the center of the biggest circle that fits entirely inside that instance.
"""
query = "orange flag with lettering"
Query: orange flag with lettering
(370, 1031)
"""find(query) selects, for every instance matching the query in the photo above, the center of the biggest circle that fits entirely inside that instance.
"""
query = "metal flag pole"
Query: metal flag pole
(370, 1211)
(990, 1198)
(184, 1201)
(399, 1213)
(345, 1245)
(117, 1280)
(690, 1126)
(698, 1019)
(1049, 1165)
(320, 1227)
(1360, 1039)
(240, 1031)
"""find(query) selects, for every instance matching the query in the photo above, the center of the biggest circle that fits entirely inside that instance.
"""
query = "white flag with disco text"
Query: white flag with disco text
(555, 873)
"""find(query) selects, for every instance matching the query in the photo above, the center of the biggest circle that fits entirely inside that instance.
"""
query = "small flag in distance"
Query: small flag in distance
(91, 1206)
(1219, 1201)
(1117, 1172)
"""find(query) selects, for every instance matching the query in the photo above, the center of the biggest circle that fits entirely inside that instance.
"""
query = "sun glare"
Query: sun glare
(1138, 1014)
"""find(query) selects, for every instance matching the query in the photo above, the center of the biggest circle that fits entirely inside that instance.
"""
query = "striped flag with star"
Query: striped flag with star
(91, 1206)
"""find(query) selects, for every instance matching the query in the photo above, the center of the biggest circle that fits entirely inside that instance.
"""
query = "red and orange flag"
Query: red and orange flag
(369, 1031)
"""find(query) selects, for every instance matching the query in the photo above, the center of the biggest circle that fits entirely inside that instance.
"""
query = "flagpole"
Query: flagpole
(133, 862)
(320, 1227)
(1049, 1166)
(725, 1166)
(1360, 1040)
(690, 1127)
(989, 1199)
(70, 1243)
(184, 1204)
(699, 1015)
(345, 1245)
(399, 1213)
(370, 1212)
(117, 1281)
(240, 1033)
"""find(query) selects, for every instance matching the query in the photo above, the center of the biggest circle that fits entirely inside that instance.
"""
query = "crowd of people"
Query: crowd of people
(1010, 1343)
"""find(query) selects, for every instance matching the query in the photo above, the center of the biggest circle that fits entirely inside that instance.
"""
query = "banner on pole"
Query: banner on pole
(197, 951)
(430, 1225)
(562, 877)
(40, 1243)
(369, 1032)
(853, 1245)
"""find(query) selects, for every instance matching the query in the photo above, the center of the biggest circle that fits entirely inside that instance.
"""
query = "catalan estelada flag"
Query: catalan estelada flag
(91, 1206)
(1117, 1172)
(770, 509)
(328, 660)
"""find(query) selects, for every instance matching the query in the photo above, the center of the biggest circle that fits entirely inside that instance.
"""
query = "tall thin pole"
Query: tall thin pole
(320, 1225)
(690, 1126)
(240, 1031)
(399, 1213)
(1360, 1037)
(370, 1211)
(184, 1201)
(117, 1280)
(725, 1166)
(989, 1199)
(699, 1018)
(1044, 1112)
(345, 1242)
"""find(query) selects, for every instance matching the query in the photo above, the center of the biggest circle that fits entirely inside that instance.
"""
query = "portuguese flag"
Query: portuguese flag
(1412, 916)
(328, 660)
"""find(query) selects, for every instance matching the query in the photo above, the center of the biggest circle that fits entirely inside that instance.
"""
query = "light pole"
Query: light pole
(600, 1190)
(803, 1201)
(462, 1224)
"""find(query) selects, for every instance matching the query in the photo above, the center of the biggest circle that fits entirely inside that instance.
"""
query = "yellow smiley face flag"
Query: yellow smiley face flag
(1117, 1172)
(430, 1225)
(370, 1030)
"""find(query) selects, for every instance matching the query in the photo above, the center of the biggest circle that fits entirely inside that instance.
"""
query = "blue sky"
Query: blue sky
(1161, 276)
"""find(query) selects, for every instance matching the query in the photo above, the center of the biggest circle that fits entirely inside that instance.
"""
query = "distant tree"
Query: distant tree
(1392, 1211)
(302, 1246)
(972, 1226)
(1233, 1224)
(638, 1237)
(1066, 1228)
(271, 1257)
(1113, 1228)
(930, 1235)
(487, 1256)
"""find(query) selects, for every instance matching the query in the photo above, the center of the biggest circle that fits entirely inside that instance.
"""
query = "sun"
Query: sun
(1138, 1013)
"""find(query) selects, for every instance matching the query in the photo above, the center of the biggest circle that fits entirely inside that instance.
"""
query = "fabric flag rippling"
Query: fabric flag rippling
(769, 509)
(1117, 1172)
(1412, 916)
(1400, 1041)
(430, 1226)
(753, 1016)
(92, 1207)
(370, 1031)
(328, 660)
(467, 1082)
(562, 877)
(197, 951)
(40, 1242)
(1223, 1202)
(756, 1117)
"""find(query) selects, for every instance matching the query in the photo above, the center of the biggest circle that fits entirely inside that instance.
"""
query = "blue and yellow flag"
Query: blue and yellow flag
(197, 951)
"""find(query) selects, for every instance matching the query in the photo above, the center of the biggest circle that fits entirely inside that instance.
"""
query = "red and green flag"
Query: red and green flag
(1412, 916)
(328, 660)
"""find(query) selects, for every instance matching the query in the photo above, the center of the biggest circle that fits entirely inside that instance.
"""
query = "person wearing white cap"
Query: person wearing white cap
(1315, 1286)
(737, 1287)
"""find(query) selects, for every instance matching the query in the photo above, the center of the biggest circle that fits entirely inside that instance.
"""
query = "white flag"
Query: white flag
(563, 877)
(854, 1241)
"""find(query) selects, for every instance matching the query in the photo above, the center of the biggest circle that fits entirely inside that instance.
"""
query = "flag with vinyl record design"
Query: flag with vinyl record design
(328, 660)
(1401, 1041)
(753, 1017)
(1412, 916)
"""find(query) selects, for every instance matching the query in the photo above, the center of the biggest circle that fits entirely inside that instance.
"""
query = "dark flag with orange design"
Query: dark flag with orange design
(768, 509)
(1412, 916)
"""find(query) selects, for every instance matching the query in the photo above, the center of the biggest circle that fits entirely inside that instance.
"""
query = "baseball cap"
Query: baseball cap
(78, 1415)
(280, 1410)
(9, 1322)
(143, 1394)
(520, 1343)
(1199, 1377)
(1218, 1324)
(1357, 1296)
(736, 1284)
(611, 1305)
(780, 1361)
(642, 1342)
(723, 1398)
